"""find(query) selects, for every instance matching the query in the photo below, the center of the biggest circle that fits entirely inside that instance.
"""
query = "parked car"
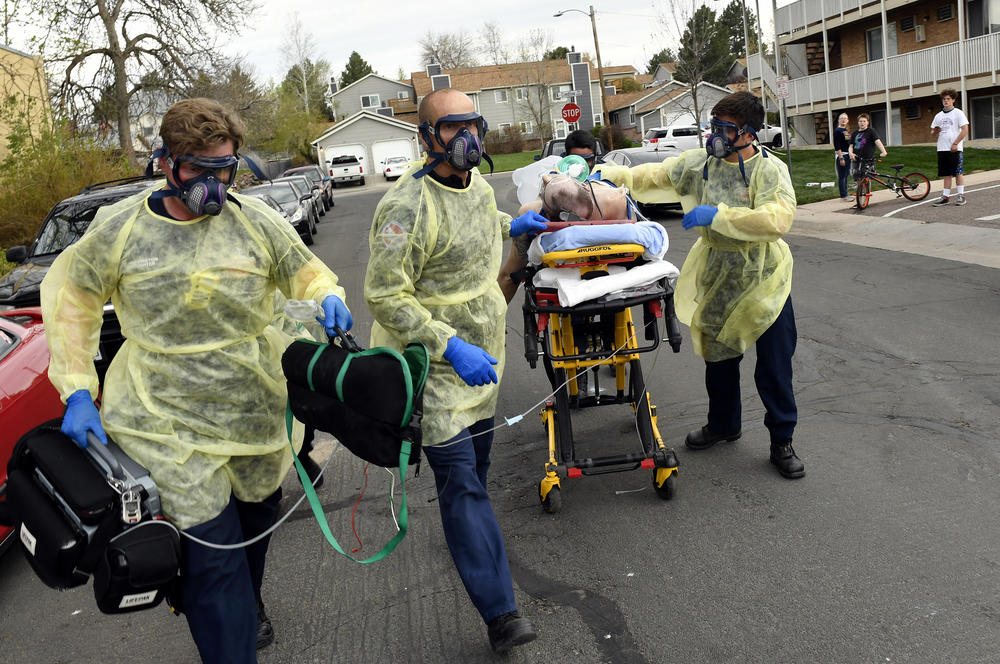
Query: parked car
(771, 136)
(677, 137)
(304, 185)
(295, 205)
(319, 180)
(393, 167)
(557, 147)
(63, 225)
(635, 156)
(27, 398)
(346, 168)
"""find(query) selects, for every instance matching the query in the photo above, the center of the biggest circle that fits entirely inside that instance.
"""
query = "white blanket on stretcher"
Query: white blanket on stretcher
(573, 289)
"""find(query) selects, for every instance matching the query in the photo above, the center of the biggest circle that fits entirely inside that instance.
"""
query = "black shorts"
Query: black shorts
(950, 163)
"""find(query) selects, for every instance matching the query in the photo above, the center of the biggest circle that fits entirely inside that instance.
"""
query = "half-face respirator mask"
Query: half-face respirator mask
(464, 151)
(207, 192)
(720, 146)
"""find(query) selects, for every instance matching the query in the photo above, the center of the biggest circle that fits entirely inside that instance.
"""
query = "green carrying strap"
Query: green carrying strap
(404, 462)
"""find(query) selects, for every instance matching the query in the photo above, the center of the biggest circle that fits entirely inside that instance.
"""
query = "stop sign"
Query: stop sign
(571, 112)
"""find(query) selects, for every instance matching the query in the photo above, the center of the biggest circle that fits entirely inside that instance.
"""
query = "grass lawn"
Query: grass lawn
(508, 162)
(817, 166)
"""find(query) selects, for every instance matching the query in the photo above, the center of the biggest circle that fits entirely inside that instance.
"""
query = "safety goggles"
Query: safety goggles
(722, 127)
(223, 168)
(460, 118)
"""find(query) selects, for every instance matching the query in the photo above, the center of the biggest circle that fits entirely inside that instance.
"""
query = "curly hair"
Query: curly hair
(743, 106)
(192, 125)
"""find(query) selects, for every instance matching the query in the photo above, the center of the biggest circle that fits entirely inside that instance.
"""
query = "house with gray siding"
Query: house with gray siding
(370, 93)
(371, 137)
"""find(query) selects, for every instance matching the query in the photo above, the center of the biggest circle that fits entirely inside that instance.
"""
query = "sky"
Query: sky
(386, 34)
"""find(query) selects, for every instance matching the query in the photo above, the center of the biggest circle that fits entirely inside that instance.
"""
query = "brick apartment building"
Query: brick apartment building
(889, 58)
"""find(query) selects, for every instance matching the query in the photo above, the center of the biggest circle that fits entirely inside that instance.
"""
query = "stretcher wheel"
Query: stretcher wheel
(669, 488)
(552, 503)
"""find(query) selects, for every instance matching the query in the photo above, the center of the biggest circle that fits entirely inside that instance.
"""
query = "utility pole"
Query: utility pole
(777, 71)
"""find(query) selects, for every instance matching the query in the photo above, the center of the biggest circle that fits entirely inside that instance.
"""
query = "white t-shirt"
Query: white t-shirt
(951, 124)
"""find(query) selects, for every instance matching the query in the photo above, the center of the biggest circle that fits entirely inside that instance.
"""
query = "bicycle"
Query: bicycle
(913, 186)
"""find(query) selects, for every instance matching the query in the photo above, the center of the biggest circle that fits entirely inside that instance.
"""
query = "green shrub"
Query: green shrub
(44, 166)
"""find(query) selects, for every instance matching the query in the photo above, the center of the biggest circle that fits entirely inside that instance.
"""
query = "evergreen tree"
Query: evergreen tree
(731, 25)
(558, 53)
(355, 70)
(666, 55)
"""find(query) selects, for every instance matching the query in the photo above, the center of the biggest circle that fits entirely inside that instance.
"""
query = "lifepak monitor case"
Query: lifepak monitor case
(88, 511)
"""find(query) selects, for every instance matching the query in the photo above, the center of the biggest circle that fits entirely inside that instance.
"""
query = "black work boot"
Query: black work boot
(783, 456)
(704, 438)
(312, 468)
(265, 633)
(509, 630)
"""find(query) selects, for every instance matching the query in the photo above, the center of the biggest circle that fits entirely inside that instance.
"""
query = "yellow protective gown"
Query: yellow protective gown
(196, 394)
(738, 274)
(435, 256)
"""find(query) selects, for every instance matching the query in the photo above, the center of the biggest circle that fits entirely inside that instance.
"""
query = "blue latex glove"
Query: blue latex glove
(472, 364)
(700, 216)
(530, 222)
(336, 314)
(82, 416)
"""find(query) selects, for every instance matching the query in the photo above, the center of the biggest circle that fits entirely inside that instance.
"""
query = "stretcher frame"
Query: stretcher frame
(550, 326)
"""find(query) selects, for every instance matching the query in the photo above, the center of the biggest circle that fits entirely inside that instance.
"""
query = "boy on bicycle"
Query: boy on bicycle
(862, 148)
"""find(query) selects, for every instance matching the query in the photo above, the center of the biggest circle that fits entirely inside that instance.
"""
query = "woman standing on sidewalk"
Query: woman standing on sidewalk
(841, 143)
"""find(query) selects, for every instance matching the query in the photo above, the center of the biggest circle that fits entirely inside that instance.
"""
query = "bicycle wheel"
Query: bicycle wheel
(863, 193)
(916, 186)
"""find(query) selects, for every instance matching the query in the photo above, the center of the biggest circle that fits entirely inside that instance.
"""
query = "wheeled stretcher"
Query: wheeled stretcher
(574, 341)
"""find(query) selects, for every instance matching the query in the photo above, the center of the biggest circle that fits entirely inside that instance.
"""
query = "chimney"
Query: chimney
(333, 85)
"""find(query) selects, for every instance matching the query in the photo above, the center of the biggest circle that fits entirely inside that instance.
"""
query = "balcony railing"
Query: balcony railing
(927, 66)
(802, 13)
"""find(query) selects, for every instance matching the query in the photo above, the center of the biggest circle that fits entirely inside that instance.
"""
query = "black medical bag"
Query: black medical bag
(78, 512)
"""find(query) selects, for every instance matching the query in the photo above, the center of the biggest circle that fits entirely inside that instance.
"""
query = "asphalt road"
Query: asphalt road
(885, 552)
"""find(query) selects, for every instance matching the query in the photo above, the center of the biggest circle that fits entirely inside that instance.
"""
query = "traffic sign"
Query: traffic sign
(566, 94)
(783, 88)
(571, 112)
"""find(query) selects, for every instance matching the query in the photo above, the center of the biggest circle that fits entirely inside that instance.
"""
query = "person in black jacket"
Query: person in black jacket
(842, 144)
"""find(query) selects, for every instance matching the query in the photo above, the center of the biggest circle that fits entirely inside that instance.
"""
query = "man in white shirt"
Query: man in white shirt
(951, 127)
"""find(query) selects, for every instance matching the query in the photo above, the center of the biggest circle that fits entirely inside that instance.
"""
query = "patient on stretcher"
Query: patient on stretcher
(563, 198)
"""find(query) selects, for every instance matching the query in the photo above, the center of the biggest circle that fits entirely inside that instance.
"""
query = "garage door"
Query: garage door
(398, 147)
(356, 149)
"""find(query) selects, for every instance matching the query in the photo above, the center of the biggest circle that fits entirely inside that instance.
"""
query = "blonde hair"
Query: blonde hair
(192, 125)
(848, 125)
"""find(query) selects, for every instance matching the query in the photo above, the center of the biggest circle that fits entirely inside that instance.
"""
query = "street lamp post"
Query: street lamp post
(600, 70)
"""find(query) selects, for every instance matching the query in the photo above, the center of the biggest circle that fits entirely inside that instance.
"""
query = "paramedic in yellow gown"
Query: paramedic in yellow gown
(196, 393)
(734, 288)
(435, 244)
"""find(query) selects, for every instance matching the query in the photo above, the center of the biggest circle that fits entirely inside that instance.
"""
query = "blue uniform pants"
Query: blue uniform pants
(470, 526)
(220, 587)
(773, 376)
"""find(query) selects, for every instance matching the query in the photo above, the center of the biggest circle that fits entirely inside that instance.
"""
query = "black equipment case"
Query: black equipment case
(88, 511)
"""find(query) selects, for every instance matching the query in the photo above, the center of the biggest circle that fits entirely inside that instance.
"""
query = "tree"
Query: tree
(537, 100)
(558, 53)
(355, 70)
(105, 47)
(448, 49)
(494, 49)
(731, 25)
(307, 81)
(704, 51)
(666, 55)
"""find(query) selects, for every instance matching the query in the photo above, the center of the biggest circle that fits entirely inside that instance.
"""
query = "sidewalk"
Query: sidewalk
(967, 244)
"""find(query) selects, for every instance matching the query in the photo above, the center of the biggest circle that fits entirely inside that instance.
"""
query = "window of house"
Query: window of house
(985, 117)
(522, 94)
(873, 40)
(370, 101)
(598, 120)
(503, 125)
(557, 90)
(402, 95)
(526, 127)
(559, 129)
(984, 17)
(912, 111)
(906, 23)
(631, 115)
(500, 96)
(945, 13)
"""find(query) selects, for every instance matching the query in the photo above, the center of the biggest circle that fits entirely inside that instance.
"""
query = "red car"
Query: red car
(27, 398)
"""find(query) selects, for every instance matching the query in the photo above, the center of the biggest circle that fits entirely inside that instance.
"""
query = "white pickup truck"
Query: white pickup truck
(346, 168)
